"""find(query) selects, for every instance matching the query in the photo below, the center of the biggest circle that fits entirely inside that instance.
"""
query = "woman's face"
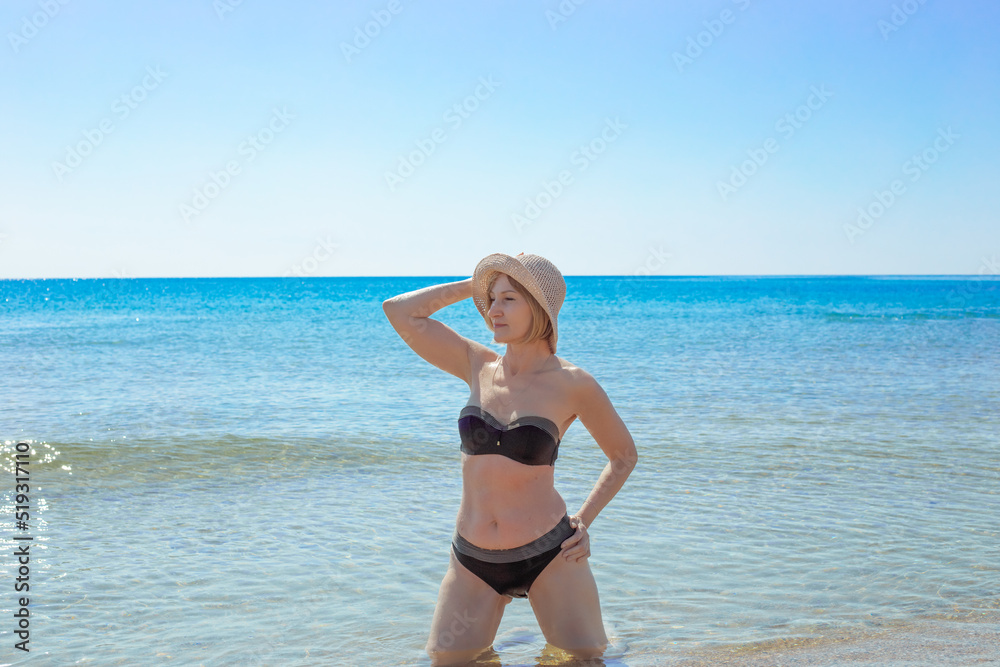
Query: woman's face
(509, 312)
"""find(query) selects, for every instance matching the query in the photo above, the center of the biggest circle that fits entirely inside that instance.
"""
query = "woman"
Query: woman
(513, 535)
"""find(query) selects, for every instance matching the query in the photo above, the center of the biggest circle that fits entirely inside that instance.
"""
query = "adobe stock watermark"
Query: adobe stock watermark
(581, 158)
(565, 9)
(787, 126)
(418, 320)
(31, 25)
(223, 7)
(714, 28)
(899, 16)
(987, 267)
(457, 114)
(307, 266)
(122, 108)
(381, 18)
(266, 650)
(915, 167)
(260, 657)
(655, 262)
(120, 281)
(459, 625)
(249, 148)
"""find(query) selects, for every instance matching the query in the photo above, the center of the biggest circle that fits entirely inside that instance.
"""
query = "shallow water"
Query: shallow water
(259, 471)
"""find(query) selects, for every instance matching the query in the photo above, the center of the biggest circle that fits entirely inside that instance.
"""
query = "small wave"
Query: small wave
(230, 455)
(909, 317)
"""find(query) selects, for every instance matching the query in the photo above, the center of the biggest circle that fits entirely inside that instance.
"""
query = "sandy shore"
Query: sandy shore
(938, 643)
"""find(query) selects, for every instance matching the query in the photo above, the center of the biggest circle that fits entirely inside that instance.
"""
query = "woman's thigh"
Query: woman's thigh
(566, 604)
(466, 617)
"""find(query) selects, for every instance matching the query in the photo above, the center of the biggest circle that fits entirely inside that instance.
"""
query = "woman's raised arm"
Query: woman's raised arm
(435, 342)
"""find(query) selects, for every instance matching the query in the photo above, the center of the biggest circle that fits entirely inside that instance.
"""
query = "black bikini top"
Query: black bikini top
(530, 440)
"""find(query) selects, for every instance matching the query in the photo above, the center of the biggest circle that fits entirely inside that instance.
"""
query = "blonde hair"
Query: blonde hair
(541, 325)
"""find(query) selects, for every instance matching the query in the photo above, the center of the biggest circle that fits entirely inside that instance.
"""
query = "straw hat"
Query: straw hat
(538, 275)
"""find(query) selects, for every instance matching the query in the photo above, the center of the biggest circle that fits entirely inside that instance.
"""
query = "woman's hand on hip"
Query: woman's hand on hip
(577, 545)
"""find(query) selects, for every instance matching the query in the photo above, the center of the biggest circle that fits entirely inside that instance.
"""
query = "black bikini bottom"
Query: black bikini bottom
(512, 571)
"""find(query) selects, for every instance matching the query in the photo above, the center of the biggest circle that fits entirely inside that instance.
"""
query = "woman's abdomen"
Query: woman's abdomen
(506, 504)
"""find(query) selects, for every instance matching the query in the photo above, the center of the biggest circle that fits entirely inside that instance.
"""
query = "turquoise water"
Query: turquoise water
(260, 472)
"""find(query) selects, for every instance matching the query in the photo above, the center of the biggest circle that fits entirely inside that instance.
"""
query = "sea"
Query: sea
(259, 471)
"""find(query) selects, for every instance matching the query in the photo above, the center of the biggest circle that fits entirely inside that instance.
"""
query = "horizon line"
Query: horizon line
(565, 275)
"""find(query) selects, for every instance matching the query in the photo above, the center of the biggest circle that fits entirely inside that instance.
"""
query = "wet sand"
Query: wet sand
(940, 643)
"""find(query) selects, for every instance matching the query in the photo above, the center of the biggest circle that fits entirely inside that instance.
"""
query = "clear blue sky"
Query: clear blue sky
(723, 137)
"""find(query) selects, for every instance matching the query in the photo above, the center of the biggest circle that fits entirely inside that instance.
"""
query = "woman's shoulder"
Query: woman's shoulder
(579, 387)
(480, 354)
(573, 374)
